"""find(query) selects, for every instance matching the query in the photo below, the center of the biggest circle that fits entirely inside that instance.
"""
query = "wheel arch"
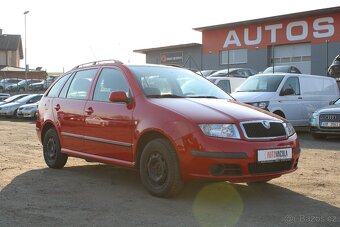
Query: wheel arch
(145, 139)
(45, 128)
(280, 113)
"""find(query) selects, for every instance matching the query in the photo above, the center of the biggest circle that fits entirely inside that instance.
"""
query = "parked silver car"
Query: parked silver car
(28, 110)
(12, 99)
(326, 121)
(10, 109)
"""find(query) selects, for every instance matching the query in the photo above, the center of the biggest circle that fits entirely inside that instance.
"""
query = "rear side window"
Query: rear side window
(57, 86)
(110, 80)
(80, 84)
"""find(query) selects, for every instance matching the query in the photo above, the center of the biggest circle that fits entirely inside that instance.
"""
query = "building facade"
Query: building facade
(308, 40)
(10, 50)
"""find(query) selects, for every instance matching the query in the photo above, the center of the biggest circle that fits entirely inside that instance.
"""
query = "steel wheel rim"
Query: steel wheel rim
(157, 169)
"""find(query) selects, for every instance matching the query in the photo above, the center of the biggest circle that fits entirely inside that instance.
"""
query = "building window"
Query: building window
(239, 56)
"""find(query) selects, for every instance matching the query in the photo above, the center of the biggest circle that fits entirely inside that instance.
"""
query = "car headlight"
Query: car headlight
(220, 130)
(262, 105)
(289, 129)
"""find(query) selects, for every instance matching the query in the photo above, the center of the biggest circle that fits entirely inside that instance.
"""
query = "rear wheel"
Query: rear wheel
(52, 150)
(159, 169)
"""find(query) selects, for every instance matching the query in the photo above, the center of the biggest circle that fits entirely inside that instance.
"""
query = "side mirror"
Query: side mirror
(287, 91)
(119, 96)
(331, 102)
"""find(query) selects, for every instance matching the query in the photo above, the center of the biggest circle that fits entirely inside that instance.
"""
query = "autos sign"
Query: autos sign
(310, 29)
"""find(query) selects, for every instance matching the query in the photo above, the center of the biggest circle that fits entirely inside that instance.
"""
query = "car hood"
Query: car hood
(329, 109)
(253, 96)
(202, 110)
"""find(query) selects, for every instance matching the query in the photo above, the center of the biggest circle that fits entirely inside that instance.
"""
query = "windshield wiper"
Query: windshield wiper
(203, 97)
(164, 96)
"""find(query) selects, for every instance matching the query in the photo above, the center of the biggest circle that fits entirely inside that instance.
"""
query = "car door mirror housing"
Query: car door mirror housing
(119, 96)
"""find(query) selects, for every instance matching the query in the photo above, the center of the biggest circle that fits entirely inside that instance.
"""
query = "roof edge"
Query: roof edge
(144, 51)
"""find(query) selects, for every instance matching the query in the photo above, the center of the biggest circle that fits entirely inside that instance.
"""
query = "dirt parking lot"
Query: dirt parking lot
(92, 194)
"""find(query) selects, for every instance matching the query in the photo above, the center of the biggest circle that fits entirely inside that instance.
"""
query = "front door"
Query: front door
(109, 126)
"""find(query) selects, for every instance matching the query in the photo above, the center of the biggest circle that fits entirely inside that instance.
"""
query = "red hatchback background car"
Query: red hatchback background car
(169, 123)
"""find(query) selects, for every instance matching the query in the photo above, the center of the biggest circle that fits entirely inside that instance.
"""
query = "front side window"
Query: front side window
(80, 84)
(110, 80)
(224, 85)
(293, 84)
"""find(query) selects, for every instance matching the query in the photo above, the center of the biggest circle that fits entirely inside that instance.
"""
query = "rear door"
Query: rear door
(69, 109)
(109, 126)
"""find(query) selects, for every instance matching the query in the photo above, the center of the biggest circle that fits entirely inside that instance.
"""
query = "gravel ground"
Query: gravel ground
(92, 194)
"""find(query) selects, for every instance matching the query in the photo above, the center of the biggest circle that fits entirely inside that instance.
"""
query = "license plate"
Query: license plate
(330, 124)
(274, 155)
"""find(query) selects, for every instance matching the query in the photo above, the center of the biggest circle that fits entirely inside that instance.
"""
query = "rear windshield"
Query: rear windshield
(261, 83)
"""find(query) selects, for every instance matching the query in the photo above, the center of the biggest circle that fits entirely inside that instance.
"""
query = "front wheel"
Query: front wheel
(52, 150)
(159, 169)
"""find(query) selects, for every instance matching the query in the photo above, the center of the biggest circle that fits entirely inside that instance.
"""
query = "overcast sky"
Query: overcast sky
(64, 33)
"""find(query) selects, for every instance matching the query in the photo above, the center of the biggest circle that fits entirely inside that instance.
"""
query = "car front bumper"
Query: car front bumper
(236, 160)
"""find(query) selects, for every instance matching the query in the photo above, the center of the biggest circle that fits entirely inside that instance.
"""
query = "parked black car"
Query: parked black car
(334, 69)
(282, 69)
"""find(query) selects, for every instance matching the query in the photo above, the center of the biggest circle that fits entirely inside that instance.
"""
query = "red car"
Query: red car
(169, 123)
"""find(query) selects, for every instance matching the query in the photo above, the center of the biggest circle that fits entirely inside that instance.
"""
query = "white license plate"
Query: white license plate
(330, 124)
(274, 155)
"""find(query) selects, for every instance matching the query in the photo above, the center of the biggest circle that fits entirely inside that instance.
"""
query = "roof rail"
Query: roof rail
(97, 63)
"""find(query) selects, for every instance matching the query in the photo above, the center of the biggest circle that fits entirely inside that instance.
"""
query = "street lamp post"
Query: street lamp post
(26, 67)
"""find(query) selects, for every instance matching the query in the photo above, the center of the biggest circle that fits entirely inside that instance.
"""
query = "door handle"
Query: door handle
(299, 97)
(57, 107)
(89, 110)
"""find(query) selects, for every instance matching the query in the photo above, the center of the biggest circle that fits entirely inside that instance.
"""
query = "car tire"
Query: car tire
(52, 150)
(319, 136)
(159, 169)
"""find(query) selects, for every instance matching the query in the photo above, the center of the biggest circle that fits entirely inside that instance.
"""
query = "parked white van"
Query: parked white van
(227, 84)
(292, 96)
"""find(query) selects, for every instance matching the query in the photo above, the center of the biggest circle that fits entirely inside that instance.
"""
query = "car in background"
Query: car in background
(12, 99)
(291, 96)
(227, 84)
(28, 110)
(282, 69)
(234, 72)
(334, 70)
(326, 121)
(39, 86)
(4, 83)
(144, 117)
(10, 109)
(22, 85)
(4, 96)
(206, 73)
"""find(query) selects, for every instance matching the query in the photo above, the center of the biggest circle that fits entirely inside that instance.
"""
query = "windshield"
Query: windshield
(282, 69)
(261, 83)
(169, 82)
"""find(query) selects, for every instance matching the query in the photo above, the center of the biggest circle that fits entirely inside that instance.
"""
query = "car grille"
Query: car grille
(259, 168)
(258, 129)
(329, 118)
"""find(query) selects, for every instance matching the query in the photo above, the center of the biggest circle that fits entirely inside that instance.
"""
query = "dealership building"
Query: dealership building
(308, 40)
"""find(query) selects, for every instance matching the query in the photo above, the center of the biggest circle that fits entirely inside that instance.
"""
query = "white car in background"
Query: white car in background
(28, 110)
(227, 84)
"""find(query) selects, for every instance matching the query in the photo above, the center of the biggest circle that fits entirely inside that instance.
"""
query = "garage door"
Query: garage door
(298, 55)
